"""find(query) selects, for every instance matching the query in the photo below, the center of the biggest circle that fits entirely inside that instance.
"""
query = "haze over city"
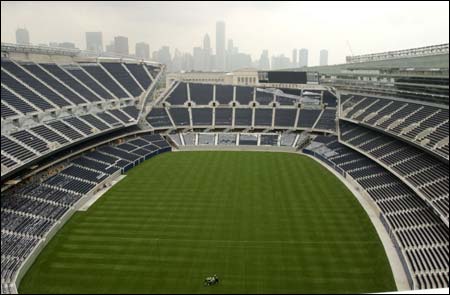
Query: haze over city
(280, 27)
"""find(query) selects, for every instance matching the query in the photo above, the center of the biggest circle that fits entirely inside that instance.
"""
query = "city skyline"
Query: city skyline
(201, 58)
(181, 26)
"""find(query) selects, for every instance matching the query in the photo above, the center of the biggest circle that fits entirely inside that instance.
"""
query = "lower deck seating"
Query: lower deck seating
(231, 139)
(421, 237)
(206, 139)
(288, 139)
(226, 139)
(269, 139)
(29, 212)
(420, 170)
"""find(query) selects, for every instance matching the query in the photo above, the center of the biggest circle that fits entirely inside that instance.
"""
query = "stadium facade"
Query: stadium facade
(72, 124)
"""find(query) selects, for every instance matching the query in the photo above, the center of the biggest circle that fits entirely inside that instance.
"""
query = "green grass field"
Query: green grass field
(264, 222)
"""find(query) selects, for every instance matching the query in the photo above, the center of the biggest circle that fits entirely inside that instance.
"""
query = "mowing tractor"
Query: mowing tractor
(210, 281)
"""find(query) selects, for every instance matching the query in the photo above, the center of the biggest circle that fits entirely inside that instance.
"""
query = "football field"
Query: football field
(263, 222)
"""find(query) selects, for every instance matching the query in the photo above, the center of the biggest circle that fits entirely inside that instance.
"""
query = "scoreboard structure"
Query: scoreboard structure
(287, 77)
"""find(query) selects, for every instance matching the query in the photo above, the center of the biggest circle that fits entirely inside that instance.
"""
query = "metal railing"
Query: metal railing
(419, 51)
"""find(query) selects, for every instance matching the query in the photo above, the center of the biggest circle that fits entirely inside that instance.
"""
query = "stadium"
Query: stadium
(326, 179)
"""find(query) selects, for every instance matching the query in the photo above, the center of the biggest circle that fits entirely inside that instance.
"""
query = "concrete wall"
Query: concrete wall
(40, 57)
(237, 148)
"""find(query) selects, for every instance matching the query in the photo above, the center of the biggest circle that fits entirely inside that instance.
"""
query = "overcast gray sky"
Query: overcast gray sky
(254, 26)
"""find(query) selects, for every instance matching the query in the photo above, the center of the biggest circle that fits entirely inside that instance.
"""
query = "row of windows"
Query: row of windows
(204, 80)
(240, 80)
(246, 80)
(198, 80)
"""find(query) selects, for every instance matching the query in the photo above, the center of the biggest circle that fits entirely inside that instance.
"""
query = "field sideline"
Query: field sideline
(263, 222)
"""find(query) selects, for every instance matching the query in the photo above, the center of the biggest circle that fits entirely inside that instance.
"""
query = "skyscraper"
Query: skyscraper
(230, 46)
(94, 41)
(22, 36)
(68, 45)
(121, 45)
(198, 58)
(303, 58)
(264, 63)
(142, 51)
(109, 48)
(294, 57)
(220, 46)
(207, 52)
(187, 62)
(163, 56)
(324, 57)
(206, 42)
(280, 62)
(240, 60)
(229, 55)
(177, 61)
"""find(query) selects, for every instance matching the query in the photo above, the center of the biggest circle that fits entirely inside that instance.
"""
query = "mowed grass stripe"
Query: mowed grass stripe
(265, 222)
